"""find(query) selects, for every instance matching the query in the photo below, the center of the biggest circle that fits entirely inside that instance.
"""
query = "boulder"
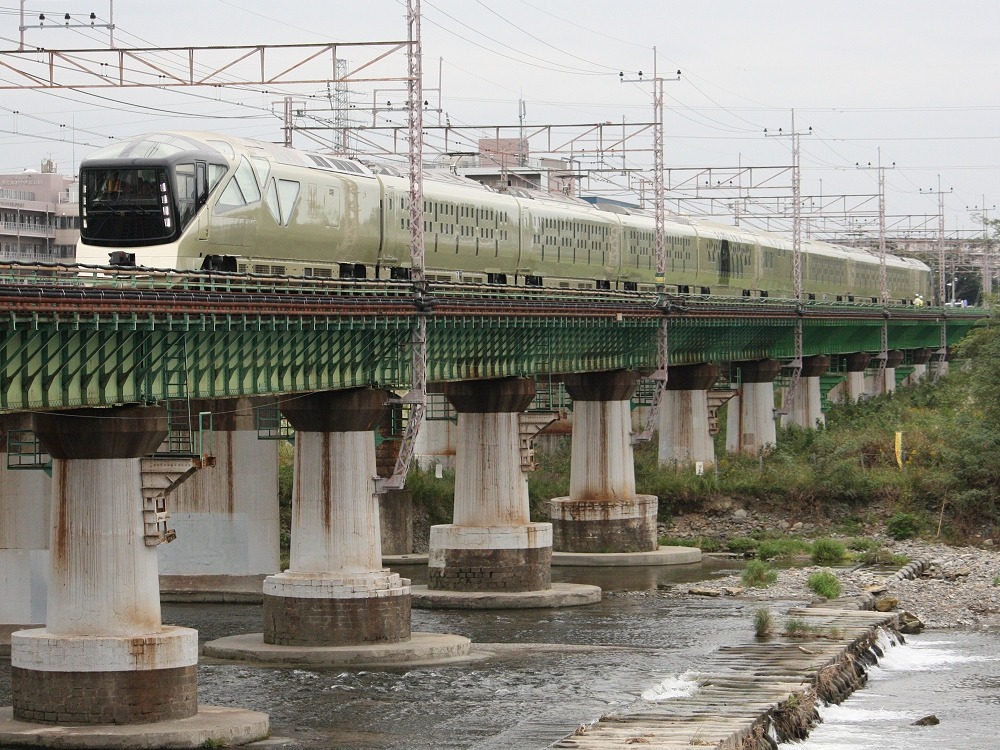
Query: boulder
(886, 603)
(699, 591)
(928, 721)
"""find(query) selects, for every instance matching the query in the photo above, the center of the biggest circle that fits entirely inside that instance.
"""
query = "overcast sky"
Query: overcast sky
(913, 83)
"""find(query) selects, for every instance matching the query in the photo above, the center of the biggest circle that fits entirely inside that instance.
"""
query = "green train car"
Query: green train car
(192, 200)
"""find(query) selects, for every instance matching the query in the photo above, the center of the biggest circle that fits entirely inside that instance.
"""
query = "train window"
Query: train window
(215, 174)
(288, 193)
(241, 190)
(261, 167)
(271, 200)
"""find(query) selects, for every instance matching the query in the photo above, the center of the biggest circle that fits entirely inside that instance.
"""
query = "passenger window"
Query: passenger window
(288, 193)
(241, 190)
(271, 199)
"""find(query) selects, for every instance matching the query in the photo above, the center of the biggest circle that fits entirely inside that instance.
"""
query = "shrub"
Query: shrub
(902, 526)
(763, 622)
(758, 574)
(785, 546)
(825, 584)
(828, 551)
(743, 545)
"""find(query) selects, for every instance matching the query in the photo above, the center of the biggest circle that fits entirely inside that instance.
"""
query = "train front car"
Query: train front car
(138, 198)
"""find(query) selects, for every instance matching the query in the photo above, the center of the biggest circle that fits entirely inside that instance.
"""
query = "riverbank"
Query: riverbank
(958, 590)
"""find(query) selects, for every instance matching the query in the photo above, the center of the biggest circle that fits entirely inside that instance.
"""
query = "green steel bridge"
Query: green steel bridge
(72, 339)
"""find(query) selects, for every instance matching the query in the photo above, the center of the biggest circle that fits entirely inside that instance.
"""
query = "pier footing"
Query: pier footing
(660, 556)
(418, 649)
(212, 726)
(560, 595)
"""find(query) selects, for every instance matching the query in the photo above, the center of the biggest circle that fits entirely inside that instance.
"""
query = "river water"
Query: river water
(954, 675)
(608, 656)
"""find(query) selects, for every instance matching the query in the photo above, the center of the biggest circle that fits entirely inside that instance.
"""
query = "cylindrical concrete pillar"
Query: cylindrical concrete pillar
(806, 409)
(684, 427)
(25, 497)
(920, 359)
(226, 517)
(104, 656)
(335, 591)
(603, 512)
(893, 359)
(750, 424)
(855, 364)
(492, 545)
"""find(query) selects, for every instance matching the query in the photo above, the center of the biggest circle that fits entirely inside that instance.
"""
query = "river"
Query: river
(608, 656)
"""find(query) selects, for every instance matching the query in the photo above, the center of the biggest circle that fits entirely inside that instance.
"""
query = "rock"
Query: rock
(910, 624)
(928, 721)
(733, 590)
(886, 604)
(740, 514)
(698, 591)
(797, 526)
(987, 542)
(878, 588)
(784, 525)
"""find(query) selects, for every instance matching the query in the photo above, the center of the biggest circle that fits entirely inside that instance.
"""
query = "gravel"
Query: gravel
(959, 589)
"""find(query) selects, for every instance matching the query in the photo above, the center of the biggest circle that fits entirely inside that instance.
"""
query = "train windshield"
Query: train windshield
(126, 206)
(148, 205)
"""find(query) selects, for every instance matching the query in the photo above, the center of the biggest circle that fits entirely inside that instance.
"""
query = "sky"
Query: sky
(908, 85)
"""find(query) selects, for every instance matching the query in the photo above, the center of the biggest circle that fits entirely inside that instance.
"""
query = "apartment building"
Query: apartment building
(39, 216)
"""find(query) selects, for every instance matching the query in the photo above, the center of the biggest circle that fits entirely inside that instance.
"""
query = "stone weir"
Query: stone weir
(752, 697)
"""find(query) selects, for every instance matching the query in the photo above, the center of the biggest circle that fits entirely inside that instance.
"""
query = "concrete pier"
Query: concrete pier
(855, 365)
(226, 517)
(336, 604)
(603, 513)
(750, 426)
(435, 443)
(806, 409)
(684, 428)
(920, 358)
(492, 545)
(492, 548)
(24, 540)
(335, 591)
(894, 358)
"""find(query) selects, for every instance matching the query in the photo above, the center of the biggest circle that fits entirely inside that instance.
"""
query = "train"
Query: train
(191, 201)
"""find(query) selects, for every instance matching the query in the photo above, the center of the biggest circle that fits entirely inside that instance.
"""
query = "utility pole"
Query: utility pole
(796, 364)
(941, 295)
(662, 343)
(416, 399)
(986, 262)
(883, 279)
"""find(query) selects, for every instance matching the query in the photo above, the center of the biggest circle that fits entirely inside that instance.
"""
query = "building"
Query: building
(39, 216)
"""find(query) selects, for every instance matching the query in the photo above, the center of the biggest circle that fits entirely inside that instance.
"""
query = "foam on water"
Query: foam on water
(674, 686)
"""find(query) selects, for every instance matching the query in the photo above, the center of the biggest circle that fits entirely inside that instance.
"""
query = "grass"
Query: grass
(782, 547)
(828, 552)
(996, 581)
(825, 584)
(763, 622)
(758, 574)
(797, 627)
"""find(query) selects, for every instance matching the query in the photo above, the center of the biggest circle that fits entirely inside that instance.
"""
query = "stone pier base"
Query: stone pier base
(490, 558)
(605, 525)
(307, 609)
(103, 679)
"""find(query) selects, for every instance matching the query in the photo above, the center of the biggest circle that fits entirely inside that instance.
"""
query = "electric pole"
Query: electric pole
(662, 344)
(796, 364)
